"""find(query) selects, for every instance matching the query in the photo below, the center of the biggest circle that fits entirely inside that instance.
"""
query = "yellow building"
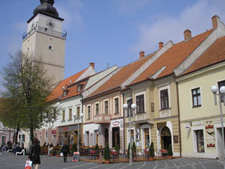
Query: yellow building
(201, 131)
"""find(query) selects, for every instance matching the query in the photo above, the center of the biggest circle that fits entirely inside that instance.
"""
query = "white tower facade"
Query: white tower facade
(45, 40)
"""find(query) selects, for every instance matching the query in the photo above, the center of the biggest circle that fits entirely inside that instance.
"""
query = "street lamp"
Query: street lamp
(133, 107)
(221, 95)
(76, 117)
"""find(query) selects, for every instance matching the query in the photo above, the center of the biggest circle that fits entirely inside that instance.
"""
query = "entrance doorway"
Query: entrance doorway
(165, 138)
(219, 142)
(106, 136)
(116, 136)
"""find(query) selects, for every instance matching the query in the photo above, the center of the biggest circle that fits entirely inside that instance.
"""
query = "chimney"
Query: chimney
(160, 45)
(187, 35)
(215, 20)
(142, 54)
(92, 65)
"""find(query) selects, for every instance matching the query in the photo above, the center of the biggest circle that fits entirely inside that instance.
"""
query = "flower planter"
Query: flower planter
(151, 158)
(106, 161)
(169, 157)
(51, 154)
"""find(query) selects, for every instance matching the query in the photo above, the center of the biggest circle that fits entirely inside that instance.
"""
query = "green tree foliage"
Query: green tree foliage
(170, 151)
(27, 88)
(152, 150)
(117, 148)
(74, 148)
(106, 154)
(133, 148)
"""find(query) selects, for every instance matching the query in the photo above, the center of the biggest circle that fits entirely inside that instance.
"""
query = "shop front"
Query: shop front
(69, 134)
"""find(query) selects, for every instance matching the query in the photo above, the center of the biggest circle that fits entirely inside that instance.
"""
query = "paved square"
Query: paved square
(9, 161)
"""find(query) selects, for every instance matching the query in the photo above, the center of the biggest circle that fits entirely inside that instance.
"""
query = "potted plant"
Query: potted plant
(170, 152)
(97, 150)
(74, 148)
(106, 154)
(52, 152)
(58, 153)
(134, 149)
(151, 151)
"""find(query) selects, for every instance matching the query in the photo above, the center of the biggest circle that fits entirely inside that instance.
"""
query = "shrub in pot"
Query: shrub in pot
(170, 152)
(106, 154)
(151, 151)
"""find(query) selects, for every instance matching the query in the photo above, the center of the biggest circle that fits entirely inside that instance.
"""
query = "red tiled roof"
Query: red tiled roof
(72, 90)
(214, 54)
(58, 91)
(173, 57)
(122, 75)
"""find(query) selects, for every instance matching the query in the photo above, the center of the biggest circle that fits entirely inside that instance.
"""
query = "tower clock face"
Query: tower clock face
(50, 24)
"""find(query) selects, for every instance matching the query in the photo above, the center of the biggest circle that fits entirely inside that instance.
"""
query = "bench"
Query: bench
(21, 152)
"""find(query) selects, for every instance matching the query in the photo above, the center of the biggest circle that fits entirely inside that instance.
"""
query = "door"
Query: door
(106, 136)
(116, 136)
(165, 138)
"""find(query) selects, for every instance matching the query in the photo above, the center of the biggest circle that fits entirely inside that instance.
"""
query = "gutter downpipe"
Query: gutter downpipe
(178, 106)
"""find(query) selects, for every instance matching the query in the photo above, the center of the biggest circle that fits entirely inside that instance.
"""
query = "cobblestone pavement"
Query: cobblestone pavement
(9, 161)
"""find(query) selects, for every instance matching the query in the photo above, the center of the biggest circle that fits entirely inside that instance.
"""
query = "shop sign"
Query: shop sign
(53, 131)
(197, 123)
(187, 126)
(116, 124)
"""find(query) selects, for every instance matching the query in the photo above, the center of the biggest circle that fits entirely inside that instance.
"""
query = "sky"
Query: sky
(109, 32)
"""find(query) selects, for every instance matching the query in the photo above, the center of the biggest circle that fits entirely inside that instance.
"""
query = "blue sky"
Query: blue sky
(110, 31)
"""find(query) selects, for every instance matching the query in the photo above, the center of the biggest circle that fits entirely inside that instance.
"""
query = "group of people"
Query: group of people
(35, 150)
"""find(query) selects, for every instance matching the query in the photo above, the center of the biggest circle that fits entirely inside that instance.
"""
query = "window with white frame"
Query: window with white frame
(200, 141)
(196, 97)
(129, 111)
(97, 108)
(78, 112)
(106, 107)
(63, 115)
(70, 114)
(220, 84)
(140, 103)
(116, 102)
(88, 112)
(164, 99)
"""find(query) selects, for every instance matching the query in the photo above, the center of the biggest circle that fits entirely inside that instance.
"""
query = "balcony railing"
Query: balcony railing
(45, 30)
(102, 119)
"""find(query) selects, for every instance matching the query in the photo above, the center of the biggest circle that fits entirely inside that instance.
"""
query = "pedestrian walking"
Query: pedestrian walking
(65, 150)
(34, 154)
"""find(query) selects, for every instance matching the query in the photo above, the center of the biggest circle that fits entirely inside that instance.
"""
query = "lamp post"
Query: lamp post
(133, 107)
(76, 117)
(48, 121)
(221, 95)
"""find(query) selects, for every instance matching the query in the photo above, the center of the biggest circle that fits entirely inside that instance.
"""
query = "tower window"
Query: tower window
(50, 47)
(46, 29)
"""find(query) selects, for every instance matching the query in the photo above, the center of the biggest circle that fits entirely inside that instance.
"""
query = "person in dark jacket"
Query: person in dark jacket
(34, 154)
(65, 150)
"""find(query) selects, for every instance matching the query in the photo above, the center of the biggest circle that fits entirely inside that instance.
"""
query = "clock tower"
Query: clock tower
(45, 40)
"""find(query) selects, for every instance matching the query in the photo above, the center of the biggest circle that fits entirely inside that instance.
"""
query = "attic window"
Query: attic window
(65, 93)
(79, 87)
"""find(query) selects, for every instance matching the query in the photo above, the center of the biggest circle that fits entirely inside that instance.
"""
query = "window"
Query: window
(164, 99)
(146, 132)
(106, 107)
(200, 141)
(78, 112)
(89, 113)
(70, 114)
(140, 104)
(196, 97)
(220, 84)
(79, 87)
(54, 114)
(63, 115)
(65, 93)
(129, 111)
(50, 47)
(116, 105)
(97, 109)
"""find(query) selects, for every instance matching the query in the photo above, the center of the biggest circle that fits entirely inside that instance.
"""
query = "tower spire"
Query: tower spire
(51, 2)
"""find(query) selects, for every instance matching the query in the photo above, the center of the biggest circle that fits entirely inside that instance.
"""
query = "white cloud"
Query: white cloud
(197, 18)
(70, 10)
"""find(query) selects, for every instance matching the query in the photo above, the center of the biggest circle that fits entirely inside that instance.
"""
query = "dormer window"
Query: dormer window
(79, 87)
(65, 93)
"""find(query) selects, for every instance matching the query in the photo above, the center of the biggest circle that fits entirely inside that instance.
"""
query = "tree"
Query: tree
(106, 154)
(27, 88)
(152, 150)
(170, 151)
